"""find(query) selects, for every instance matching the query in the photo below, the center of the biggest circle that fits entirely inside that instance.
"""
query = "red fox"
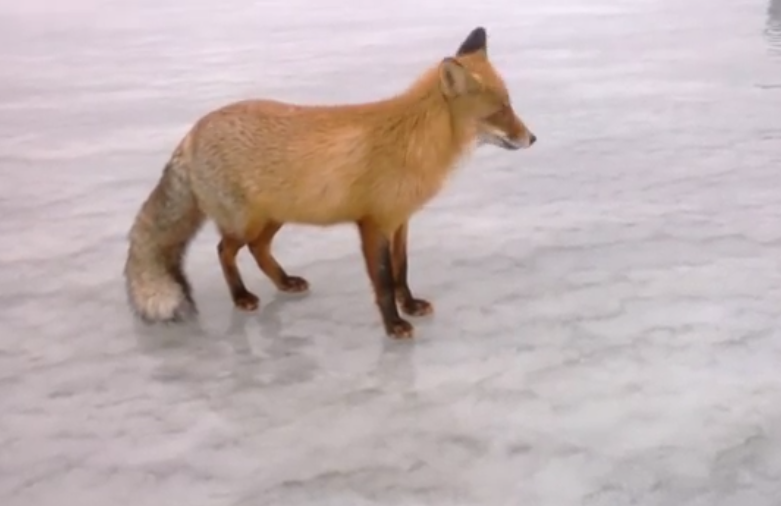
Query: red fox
(254, 165)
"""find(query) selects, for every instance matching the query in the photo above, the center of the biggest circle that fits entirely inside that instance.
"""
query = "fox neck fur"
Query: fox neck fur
(412, 142)
(427, 122)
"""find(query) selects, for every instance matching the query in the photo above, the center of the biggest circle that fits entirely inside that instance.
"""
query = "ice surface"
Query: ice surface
(608, 327)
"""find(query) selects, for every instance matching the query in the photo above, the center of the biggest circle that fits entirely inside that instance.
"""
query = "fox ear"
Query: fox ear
(455, 78)
(477, 40)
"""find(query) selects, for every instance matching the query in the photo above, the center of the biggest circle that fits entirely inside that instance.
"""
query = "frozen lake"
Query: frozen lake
(608, 303)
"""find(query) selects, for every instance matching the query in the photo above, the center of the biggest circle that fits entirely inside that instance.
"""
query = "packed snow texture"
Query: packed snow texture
(608, 303)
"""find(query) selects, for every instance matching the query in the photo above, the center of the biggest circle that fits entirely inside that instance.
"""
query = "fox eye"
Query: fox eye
(498, 115)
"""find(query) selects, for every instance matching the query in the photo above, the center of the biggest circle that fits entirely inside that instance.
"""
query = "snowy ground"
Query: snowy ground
(608, 327)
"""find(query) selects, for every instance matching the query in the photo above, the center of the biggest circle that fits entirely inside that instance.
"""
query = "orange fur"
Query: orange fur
(325, 165)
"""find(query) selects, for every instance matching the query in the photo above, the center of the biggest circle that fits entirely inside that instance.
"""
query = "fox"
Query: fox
(254, 165)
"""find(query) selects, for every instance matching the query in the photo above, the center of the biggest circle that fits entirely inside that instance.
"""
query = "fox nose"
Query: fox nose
(532, 139)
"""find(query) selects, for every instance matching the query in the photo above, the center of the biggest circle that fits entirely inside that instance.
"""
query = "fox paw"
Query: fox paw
(246, 301)
(417, 307)
(294, 284)
(400, 329)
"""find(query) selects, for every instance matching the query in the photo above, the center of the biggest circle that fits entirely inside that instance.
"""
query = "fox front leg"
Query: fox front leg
(409, 304)
(376, 248)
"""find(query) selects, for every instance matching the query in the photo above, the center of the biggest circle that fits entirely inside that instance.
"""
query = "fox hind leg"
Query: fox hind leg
(260, 247)
(409, 304)
(227, 249)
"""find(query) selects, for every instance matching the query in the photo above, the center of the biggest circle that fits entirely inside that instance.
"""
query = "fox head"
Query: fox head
(478, 94)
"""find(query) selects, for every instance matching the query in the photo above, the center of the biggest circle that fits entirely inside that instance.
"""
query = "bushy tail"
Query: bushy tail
(157, 288)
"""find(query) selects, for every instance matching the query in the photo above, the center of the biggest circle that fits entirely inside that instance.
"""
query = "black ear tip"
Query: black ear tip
(479, 34)
(475, 41)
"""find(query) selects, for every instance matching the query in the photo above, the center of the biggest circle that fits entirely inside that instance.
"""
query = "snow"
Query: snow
(607, 327)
